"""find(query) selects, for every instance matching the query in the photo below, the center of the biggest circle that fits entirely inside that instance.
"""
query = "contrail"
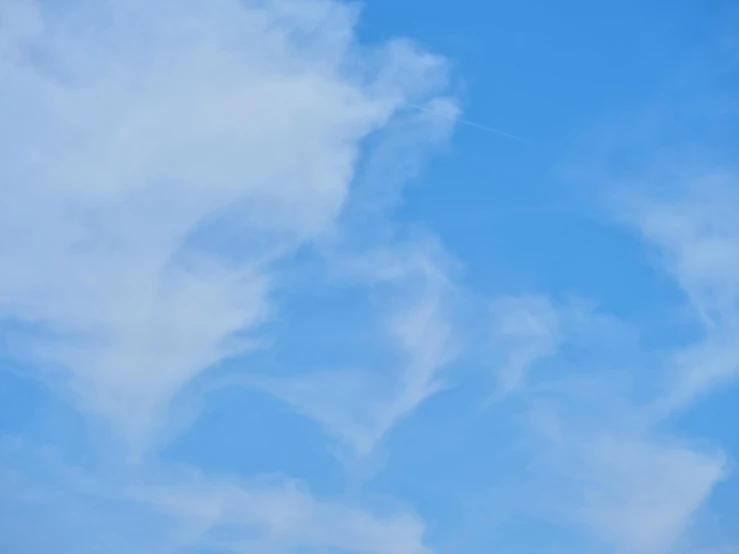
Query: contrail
(476, 125)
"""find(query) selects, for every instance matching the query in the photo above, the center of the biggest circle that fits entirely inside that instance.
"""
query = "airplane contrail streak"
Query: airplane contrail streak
(476, 125)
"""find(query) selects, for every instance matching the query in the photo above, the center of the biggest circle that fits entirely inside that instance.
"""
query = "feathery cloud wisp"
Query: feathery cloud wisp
(157, 158)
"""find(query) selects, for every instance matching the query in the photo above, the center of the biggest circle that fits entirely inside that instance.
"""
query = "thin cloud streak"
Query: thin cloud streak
(467, 122)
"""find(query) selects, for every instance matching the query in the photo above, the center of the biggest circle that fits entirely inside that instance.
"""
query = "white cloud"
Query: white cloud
(608, 476)
(70, 510)
(358, 407)
(599, 464)
(526, 329)
(157, 157)
(282, 517)
(616, 475)
(530, 332)
(697, 235)
(642, 496)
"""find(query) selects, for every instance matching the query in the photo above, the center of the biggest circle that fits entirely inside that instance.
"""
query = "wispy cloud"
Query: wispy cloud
(157, 158)
(282, 517)
(621, 483)
(642, 495)
(180, 510)
(601, 465)
(696, 235)
(526, 329)
(358, 407)
(172, 172)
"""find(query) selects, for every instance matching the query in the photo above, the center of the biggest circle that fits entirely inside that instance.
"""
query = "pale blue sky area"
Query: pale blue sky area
(401, 277)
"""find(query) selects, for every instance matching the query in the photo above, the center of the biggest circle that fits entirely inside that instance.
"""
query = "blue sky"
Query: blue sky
(312, 277)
